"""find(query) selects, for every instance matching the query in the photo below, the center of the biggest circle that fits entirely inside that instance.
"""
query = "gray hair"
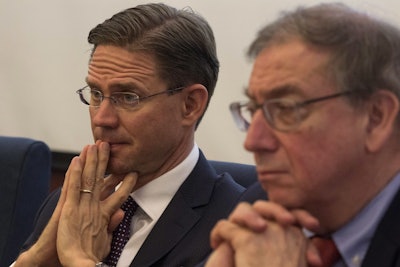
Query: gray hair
(365, 51)
(181, 42)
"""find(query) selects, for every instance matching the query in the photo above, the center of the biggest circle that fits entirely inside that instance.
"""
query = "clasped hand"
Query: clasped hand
(79, 232)
(264, 234)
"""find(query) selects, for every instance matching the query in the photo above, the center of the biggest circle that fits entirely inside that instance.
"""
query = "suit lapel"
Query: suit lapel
(180, 216)
(384, 248)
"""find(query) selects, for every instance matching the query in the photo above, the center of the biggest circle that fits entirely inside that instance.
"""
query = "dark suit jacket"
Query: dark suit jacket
(181, 236)
(384, 250)
(253, 193)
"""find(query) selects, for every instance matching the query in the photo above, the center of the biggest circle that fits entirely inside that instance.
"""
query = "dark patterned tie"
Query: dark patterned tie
(122, 233)
(327, 250)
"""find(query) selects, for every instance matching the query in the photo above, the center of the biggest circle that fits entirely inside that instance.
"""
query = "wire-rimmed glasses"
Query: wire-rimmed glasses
(121, 100)
(283, 114)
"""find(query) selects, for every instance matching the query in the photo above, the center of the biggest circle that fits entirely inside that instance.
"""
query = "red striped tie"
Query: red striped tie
(327, 250)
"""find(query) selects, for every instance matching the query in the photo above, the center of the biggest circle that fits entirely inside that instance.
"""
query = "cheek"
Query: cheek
(94, 127)
(322, 160)
(141, 125)
(152, 130)
(305, 157)
(311, 170)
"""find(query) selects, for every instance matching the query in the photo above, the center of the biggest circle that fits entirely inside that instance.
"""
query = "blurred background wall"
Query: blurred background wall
(44, 56)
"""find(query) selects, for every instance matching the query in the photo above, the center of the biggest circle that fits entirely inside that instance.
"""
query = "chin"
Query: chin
(116, 167)
(285, 199)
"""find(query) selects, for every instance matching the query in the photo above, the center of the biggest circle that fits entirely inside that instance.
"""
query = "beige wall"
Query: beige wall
(44, 54)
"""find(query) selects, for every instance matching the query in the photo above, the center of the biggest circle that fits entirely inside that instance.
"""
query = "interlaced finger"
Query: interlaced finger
(245, 215)
(274, 212)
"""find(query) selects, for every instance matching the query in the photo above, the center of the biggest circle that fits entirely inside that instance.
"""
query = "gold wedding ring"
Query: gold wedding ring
(85, 191)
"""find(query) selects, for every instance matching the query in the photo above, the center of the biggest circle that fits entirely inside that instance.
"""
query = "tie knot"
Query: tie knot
(327, 250)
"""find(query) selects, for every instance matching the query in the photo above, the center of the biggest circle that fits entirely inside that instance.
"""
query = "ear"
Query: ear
(383, 109)
(194, 104)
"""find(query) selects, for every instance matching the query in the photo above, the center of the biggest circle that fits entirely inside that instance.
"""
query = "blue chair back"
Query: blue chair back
(25, 170)
(243, 174)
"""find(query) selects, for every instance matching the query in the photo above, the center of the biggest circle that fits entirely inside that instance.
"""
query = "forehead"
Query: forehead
(111, 64)
(291, 67)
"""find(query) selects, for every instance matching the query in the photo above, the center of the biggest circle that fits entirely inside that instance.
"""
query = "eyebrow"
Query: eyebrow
(278, 92)
(90, 83)
(124, 87)
(120, 87)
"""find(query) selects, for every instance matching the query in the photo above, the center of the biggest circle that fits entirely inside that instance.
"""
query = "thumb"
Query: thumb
(115, 220)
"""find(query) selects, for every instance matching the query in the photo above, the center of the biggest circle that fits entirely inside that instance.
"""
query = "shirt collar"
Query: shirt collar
(154, 197)
(354, 238)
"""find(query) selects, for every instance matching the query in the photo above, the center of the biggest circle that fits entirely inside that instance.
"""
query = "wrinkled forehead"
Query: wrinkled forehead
(115, 65)
(290, 67)
(120, 59)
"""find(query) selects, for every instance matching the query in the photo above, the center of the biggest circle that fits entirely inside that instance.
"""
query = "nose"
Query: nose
(105, 115)
(260, 135)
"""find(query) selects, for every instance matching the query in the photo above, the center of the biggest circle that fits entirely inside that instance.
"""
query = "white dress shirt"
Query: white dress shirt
(153, 198)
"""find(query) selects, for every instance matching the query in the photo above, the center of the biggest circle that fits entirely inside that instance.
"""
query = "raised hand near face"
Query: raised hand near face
(84, 231)
(44, 251)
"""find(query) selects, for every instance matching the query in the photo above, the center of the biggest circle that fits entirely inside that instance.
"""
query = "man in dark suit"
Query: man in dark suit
(152, 72)
(323, 123)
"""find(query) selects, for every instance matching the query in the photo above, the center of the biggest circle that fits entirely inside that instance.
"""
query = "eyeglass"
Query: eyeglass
(122, 100)
(283, 114)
